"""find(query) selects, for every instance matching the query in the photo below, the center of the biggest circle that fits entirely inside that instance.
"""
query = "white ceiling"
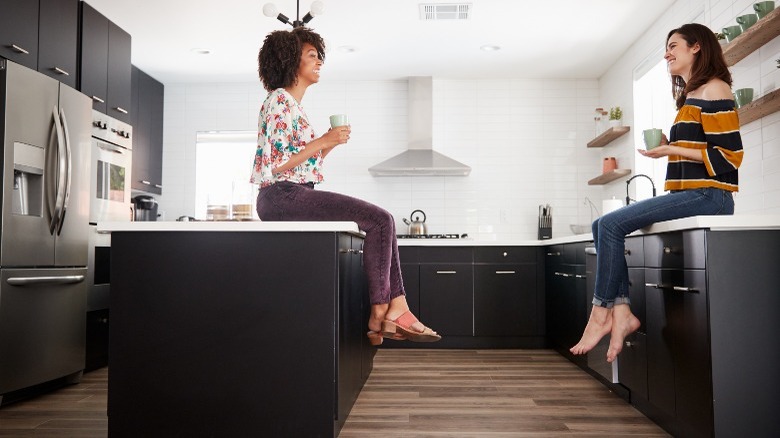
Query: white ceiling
(538, 38)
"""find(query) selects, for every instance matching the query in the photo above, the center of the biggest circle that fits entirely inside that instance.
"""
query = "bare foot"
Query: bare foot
(378, 312)
(623, 324)
(399, 306)
(599, 324)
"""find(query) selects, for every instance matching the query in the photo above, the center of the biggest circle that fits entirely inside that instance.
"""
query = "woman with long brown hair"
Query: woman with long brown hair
(704, 151)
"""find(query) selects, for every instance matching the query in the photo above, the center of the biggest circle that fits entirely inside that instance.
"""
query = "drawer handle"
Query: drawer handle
(562, 274)
(505, 272)
(121, 110)
(446, 272)
(684, 289)
(61, 71)
(18, 49)
(579, 276)
(652, 285)
(145, 182)
(670, 250)
(159, 186)
(351, 251)
(553, 253)
(97, 99)
(630, 344)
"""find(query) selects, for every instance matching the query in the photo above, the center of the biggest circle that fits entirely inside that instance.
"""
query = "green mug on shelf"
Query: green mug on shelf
(732, 32)
(743, 96)
(763, 8)
(745, 21)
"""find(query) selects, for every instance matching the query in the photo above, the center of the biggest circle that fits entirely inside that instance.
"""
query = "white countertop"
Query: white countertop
(248, 226)
(716, 223)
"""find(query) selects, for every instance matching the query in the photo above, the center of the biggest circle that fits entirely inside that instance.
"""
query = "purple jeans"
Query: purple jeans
(286, 201)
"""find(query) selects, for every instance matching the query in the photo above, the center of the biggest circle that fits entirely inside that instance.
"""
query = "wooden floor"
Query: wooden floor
(411, 393)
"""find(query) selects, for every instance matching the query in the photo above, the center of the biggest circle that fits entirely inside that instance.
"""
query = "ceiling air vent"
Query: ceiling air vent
(444, 11)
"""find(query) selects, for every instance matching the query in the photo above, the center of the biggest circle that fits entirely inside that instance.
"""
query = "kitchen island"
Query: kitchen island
(235, 328)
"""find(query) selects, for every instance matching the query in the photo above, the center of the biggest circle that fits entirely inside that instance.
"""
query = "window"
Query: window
(223, 164)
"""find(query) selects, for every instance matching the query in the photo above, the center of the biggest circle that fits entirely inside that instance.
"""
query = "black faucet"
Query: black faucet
(628, 199)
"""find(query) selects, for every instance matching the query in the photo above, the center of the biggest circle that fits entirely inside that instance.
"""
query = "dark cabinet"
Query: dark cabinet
(446, 299)
(505, 300)
(105, 64)
(225, 340)
(42, 35)
(58, 40)
(19, 31)
(476, 297)
(147, 104)
(506, 294)
(566, 297)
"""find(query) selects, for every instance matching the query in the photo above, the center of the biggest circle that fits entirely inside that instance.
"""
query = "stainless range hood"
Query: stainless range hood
(420, 159)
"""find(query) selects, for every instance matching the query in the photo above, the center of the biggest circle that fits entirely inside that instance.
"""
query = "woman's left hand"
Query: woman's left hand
(657, 152)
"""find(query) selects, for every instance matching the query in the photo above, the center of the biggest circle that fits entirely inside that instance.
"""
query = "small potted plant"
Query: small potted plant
(615, 116)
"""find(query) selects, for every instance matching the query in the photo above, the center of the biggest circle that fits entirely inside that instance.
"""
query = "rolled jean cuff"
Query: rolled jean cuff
(609, 304)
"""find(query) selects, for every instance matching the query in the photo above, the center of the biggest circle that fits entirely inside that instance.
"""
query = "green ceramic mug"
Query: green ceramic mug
(745, 21)
(763, 8)
(743, 96)
(338, 120)
(652, 137)
(731, 32)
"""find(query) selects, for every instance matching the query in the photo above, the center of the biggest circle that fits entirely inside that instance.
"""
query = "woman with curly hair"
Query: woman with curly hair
(704, 151)
(288, 165)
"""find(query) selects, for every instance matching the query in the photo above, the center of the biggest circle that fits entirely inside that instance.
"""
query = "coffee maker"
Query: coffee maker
(145, 207)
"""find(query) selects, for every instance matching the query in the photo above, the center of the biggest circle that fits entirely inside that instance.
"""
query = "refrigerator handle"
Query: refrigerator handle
(61, 279)
(68, 168)
(61, 174)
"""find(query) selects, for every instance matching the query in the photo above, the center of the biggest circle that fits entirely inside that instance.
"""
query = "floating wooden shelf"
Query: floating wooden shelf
(756, 36)
(609, 177)
(607, 136)
(767, 104)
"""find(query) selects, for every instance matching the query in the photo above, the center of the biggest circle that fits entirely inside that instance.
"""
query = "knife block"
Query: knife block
(545, 233)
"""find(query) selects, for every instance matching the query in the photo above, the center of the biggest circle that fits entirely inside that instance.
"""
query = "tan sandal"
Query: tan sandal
(403, 326)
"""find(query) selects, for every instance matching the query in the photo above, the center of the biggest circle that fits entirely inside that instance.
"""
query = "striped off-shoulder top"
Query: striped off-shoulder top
(711, 126)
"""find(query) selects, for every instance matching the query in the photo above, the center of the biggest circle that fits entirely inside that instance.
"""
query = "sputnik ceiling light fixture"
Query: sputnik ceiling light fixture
(317, 8)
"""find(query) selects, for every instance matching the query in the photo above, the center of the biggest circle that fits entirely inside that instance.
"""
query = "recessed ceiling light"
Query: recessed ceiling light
(347, 49)
(490, 48)
(200, 51)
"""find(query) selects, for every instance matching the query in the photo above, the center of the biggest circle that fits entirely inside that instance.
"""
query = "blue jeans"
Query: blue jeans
(610, 230)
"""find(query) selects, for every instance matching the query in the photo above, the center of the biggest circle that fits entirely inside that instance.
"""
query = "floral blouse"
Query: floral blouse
(283, 130)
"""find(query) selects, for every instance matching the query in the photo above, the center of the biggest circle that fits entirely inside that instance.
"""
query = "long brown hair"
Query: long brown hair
(707, 64)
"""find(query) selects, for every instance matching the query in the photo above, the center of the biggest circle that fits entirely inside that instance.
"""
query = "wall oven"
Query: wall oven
(110, 200)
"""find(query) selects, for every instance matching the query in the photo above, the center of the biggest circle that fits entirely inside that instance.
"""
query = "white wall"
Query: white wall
(524, 139)
(760, 172)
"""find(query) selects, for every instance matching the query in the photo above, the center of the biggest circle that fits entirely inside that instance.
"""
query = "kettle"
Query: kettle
(417, 227)
(145, 208)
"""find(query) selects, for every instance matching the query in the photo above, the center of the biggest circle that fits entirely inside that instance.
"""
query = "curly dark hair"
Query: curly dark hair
(709, 62)
(280, 55)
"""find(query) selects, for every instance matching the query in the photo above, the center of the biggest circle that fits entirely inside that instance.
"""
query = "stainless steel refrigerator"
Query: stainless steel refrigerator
(45, 130)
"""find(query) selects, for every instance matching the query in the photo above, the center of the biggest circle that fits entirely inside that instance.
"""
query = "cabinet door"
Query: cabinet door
(93, 62)
(632, 365)
(19, 31)
(118, 73)
(140, 121)
(351, 330)
(156, 108)
(504, 300)
(446, 299)
(693, 381)
(58, 40)
(663, 309)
